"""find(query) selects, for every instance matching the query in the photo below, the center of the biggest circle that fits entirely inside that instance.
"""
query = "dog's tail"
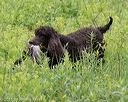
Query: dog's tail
(104, 28)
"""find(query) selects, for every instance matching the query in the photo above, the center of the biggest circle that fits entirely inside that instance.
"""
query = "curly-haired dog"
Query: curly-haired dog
(55, 44)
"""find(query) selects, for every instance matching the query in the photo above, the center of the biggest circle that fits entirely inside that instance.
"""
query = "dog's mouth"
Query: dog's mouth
(31, 45)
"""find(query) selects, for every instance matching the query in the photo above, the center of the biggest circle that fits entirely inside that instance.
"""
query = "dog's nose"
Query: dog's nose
(30, 42)
(33, 42)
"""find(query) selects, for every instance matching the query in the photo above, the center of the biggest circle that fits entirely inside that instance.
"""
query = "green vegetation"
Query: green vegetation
(90, 83)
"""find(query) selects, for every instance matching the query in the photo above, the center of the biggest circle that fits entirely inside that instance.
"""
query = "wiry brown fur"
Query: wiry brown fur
(55, 44)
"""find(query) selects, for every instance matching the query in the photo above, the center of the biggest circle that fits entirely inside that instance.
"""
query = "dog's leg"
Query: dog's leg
(21, 59)
(100, 56)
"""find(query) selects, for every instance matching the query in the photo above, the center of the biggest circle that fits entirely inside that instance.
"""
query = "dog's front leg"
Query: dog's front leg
(21, 59)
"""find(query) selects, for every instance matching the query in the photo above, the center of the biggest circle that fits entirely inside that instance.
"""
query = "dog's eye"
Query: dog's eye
(38, 33)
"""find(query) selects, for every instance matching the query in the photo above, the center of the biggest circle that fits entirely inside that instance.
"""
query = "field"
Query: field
(88, 83)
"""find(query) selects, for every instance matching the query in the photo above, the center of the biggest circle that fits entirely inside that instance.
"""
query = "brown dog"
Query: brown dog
(55, 44)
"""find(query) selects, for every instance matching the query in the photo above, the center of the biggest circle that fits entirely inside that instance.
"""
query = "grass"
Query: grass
(30, 82)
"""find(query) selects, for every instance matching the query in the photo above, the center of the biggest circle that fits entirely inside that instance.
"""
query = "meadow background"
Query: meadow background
(89, 82)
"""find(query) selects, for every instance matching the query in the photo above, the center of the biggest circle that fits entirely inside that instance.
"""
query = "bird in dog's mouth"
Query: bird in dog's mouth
(35, 52)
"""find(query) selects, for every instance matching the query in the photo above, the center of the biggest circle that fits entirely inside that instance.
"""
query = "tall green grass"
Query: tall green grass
(89, 82)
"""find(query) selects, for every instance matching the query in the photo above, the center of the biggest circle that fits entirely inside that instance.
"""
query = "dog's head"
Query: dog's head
(42, 36)
(48, 40)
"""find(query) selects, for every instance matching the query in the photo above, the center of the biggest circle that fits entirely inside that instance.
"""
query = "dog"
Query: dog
(54, 44)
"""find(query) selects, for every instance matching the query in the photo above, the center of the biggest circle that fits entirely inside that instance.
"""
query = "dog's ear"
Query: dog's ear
(55, 48)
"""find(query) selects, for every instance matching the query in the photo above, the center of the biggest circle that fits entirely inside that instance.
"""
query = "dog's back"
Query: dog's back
(88, 37)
